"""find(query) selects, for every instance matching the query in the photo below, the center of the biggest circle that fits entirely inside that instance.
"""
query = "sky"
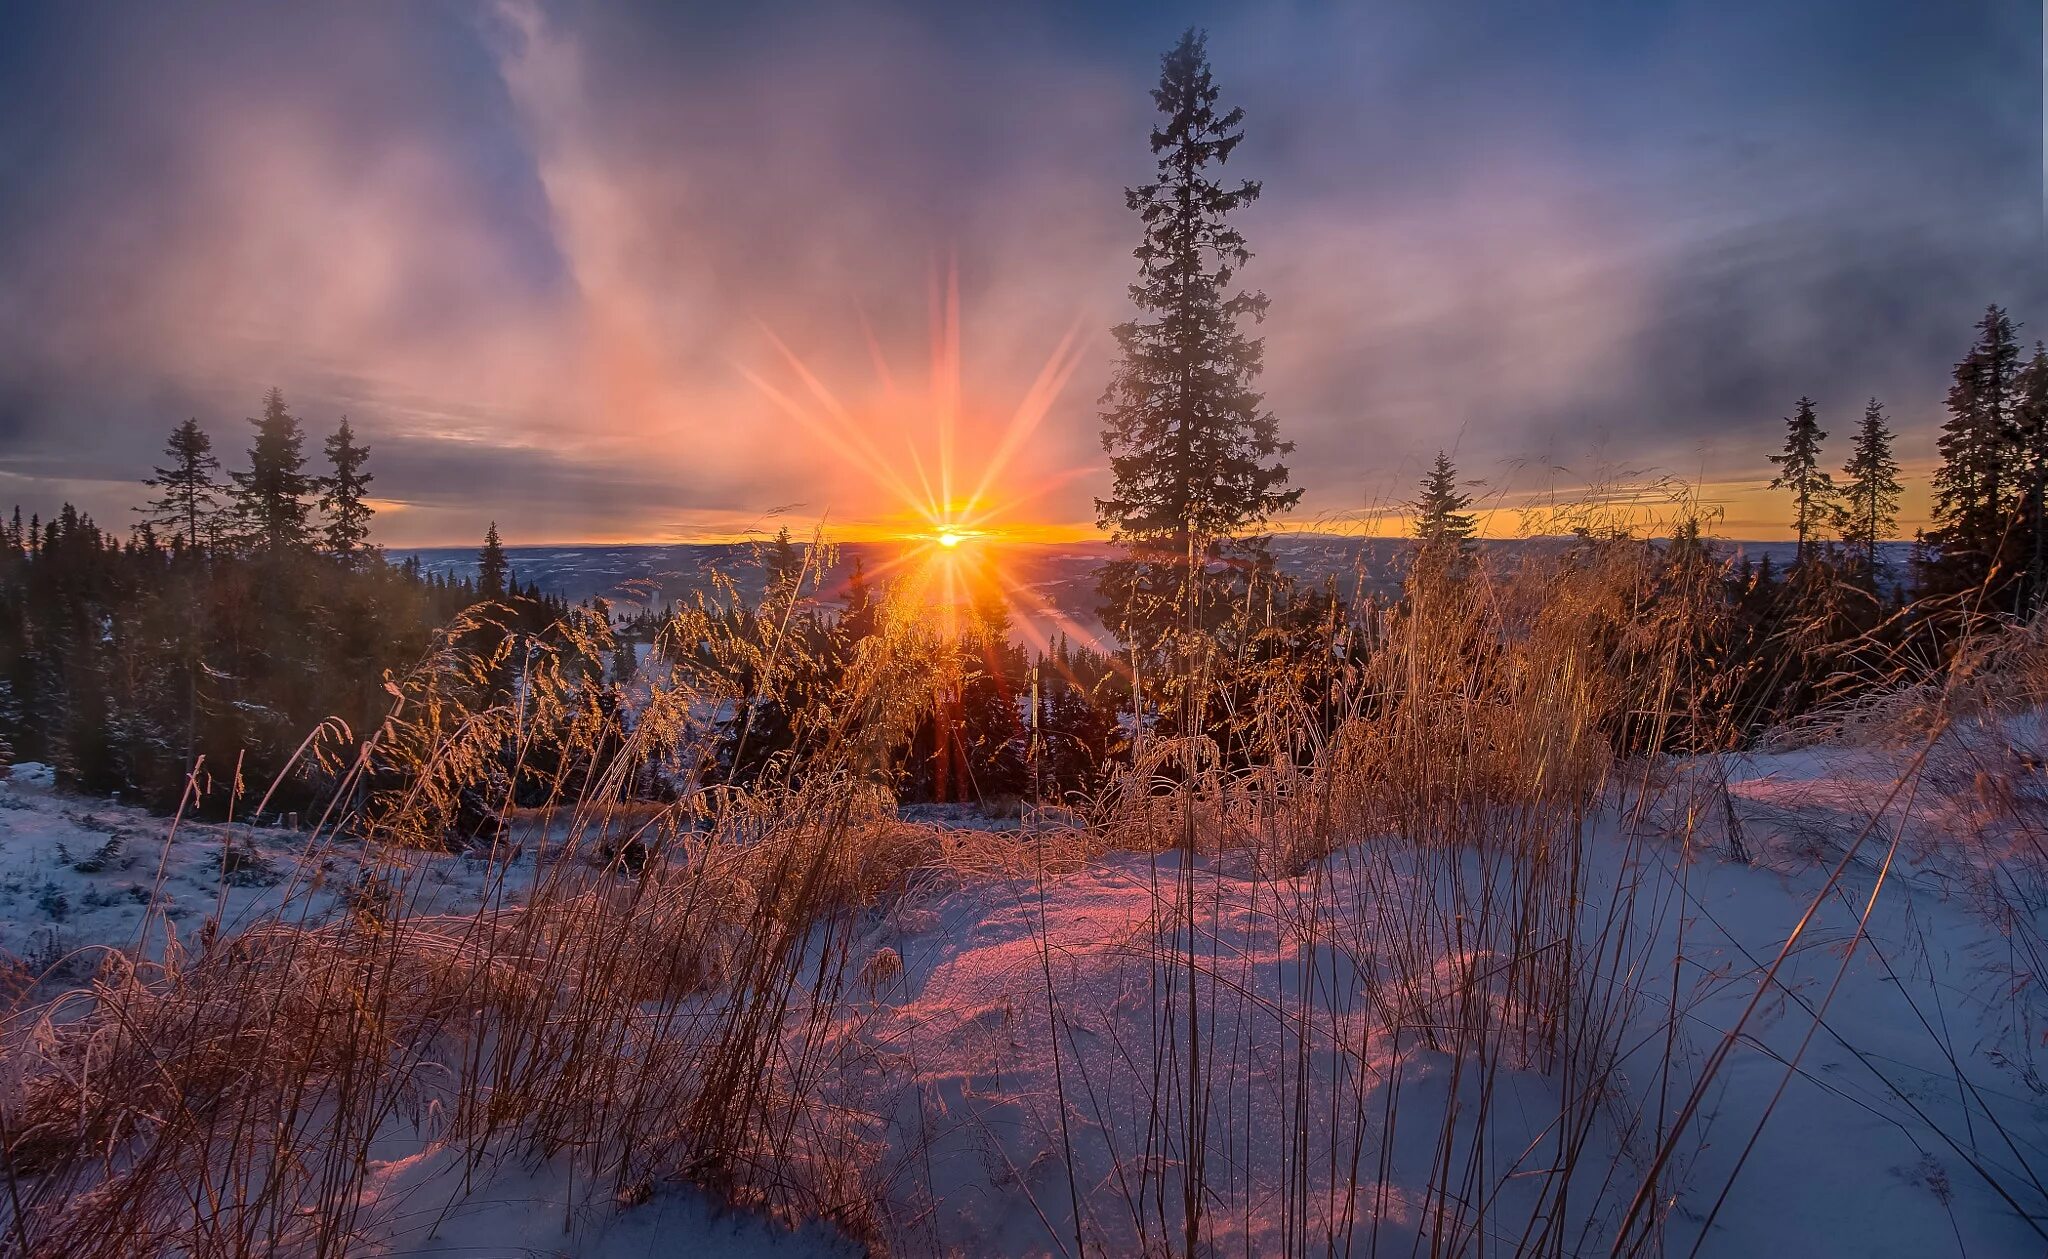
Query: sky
(670, 272)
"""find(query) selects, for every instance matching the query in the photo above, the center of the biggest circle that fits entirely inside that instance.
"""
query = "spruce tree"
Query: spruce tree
(1192, 449)
(491, 566)
(858, 621)
(189, 490)
(783, 561)
(1443, 525)
(1973, 485)
(1799, 471)
(1870, 493)
(2030, 426)
(270, 498)
(344, 496)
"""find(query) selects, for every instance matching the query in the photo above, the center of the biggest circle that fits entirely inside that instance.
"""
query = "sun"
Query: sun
(944, 466)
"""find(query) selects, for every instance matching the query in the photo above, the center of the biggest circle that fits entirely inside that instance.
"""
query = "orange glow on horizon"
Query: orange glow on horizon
(951, 471)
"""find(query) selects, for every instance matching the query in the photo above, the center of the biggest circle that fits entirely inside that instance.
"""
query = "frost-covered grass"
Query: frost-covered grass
(1447, 977)
(990, 1034)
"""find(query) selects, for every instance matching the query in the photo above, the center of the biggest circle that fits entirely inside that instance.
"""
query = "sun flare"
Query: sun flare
(946, 467)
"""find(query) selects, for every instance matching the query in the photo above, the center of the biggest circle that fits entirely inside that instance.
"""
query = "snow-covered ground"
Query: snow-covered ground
(78, 873)
(1008, 1038)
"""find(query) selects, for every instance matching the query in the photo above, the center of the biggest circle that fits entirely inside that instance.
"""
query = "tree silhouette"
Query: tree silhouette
(343, 496)
(1973, 483)
(1870, 492)
(189, 491)
(858, 621)
(1442, 523)
(270, 498)
(491, 566)
(2030, 425)
(1192, 450)
(1799, 470)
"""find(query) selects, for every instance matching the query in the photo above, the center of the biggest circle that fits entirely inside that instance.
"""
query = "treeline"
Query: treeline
(1197, 468)
(245, 610)
(236, 616)
(1774, 641)
(1989, 535)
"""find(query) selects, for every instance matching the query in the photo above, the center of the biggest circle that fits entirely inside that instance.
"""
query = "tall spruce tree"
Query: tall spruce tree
(1870, 491)
(189, 489)
(1443, 525)
(1974, 485)
(1193, 452)
(270, 498)
(344, 496)
(491, 566)
(1799, 470)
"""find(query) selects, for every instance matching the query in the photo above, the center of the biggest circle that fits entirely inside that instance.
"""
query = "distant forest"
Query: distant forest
(241, 613)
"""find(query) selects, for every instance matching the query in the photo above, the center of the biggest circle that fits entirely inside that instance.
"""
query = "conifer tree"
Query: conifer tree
(858, 621)
(783, 561)
(1799, 470)
(189, 490)
(1442, 523)
(2030, 426)
(344, 496)
(1192, 448)
(270, 498)
(491, 566)
(1689, 546)
(1870, 493)
(1973, 485)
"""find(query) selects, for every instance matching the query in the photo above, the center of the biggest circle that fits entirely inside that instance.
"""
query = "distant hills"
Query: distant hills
(1060, 577)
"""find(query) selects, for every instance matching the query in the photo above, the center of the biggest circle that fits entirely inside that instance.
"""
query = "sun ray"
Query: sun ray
(933, 511)
(1030, 494)
(876, 462)
(1020, 594)
(880, 360)
(946, 376)
(1051, 382)
(826, 433)
(951, 557)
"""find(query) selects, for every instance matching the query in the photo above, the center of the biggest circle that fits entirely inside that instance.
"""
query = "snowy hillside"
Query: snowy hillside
(1003, 1066)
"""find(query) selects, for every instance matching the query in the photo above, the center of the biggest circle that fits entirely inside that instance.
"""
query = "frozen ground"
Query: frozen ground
(1007, 1039)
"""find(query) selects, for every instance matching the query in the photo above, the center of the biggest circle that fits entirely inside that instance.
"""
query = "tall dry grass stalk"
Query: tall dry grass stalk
(677, 989)
(1416, 835)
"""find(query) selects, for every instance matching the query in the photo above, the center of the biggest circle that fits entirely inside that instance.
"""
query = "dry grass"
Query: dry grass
(670, 1000)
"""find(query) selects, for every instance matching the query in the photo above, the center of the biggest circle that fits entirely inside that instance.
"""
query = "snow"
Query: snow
(1858, 1120)
(32, 776)
(76, 873)
(521, 1212)
(1898, 1066)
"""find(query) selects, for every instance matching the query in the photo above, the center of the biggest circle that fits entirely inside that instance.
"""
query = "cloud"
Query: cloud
(540, 254)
